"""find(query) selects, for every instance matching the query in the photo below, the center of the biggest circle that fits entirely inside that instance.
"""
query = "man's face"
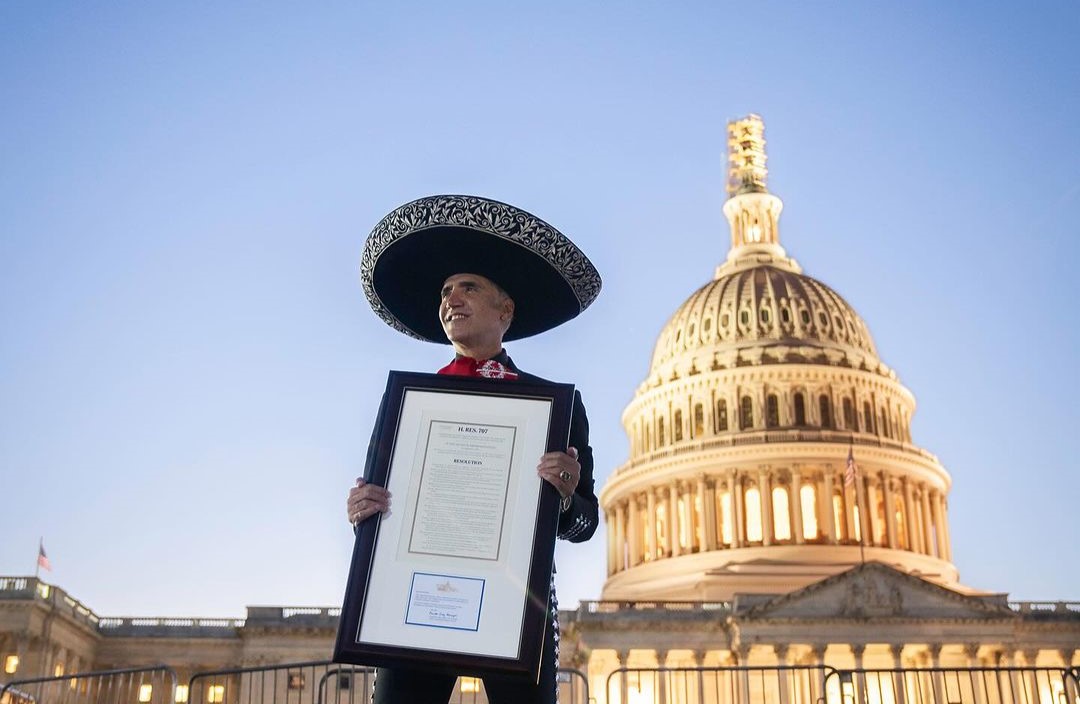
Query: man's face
(474, 312)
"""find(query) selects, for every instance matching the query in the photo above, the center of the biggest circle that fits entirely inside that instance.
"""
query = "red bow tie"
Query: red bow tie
(489, 368)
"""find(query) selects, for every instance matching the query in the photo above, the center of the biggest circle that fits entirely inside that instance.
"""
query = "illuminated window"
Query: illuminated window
(781, 514)
(676, 426)
(470, 685)
(808, 499)
(699, 420)
(825, 410)
(721, 415)
(181, 696)
(11, 664)
(772, 411)
(146, 692)
(726, 527)
(746, 413)
(800, 409)
(839, 524)
(753, 515)
(215, 694)
(296, 680)
(58, 669)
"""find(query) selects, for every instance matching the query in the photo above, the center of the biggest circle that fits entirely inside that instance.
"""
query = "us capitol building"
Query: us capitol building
(774, 510)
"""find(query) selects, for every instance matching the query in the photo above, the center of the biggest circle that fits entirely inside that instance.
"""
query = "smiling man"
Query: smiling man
(476, 273)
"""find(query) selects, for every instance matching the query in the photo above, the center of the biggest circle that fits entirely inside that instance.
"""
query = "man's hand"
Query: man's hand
(365, 500)
(561, 470)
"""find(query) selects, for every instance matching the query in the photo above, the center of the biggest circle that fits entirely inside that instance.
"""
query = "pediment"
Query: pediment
(875, 590)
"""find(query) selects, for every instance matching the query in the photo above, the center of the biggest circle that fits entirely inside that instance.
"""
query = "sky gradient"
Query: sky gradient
(189, 370)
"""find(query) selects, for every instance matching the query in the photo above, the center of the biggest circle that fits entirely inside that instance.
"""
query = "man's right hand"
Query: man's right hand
(365, 500)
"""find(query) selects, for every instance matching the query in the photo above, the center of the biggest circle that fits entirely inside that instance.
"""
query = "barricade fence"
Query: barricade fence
(325, 682)
(797, 684)
(152, 685)
(975, 685)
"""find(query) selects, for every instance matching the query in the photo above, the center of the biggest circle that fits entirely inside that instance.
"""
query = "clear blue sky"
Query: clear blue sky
(188, 368)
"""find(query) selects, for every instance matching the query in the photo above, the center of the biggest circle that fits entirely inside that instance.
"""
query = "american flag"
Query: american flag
(42, 558)
(849, 468)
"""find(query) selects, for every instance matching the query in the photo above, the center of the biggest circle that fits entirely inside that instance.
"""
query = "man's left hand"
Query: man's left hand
(561, 470)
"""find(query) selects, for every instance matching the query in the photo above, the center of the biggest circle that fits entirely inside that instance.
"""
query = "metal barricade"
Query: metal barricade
(795, 684)
(151, 685)
(975, 685)
(319, 682)
(324, 682)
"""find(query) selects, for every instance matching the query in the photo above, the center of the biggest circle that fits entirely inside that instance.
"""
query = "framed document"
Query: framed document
(456, 576)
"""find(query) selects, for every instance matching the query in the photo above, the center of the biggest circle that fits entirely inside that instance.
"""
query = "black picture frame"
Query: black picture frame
(418, 419)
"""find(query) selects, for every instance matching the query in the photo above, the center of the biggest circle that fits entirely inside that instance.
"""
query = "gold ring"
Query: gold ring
(565, 476)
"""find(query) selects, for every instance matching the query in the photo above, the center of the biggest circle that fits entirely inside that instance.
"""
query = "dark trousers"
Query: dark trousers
(419, 686)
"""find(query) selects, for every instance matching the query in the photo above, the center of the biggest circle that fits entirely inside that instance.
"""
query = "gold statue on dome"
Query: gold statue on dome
(747, 172)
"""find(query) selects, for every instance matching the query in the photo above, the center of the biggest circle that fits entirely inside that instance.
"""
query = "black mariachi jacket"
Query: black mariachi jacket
(578, 523)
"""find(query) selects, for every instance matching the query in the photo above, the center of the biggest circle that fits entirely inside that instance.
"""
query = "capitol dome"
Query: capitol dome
(770, 446)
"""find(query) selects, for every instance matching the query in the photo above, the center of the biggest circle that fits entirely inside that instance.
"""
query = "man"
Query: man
(500, 274)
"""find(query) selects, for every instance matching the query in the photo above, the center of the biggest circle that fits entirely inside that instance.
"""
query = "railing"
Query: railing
(977, 685)
(153, 685)
(797, 684)
(826, 685)
(1045, 608)
(323, 682)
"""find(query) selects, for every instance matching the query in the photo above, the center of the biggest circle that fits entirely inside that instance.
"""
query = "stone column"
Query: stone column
(609, 519)
(796, 506)
(768, 527)
(709, 511)
(825, 501)
(851, 500)
(939, 525)
(784, 684)
(620, 536)
(971, 650)
(859, 681)
(945, 526)
(699, 518)
(674, 526)
(661, 675)
(622, 660)
(897, 652)
(865, 525)
(934, 651)
(634, 526)
(650, 529)
(909, 516)
(928, 530)
(739, 502)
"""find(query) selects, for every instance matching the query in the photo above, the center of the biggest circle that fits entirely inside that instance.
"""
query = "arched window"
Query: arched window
(676, 426)
(885, 429)
(727, 526)
(868, 417)
(781, 513)
(800, 409)
(808, 499)
(839, 524)
(825, 410)
(721, 416)
(753, 515)
(699, 420)
(850, 421)
(660, 439)
(746, 413)
(772, 411)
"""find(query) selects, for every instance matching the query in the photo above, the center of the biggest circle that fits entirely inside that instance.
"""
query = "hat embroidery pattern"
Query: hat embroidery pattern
(484, 215)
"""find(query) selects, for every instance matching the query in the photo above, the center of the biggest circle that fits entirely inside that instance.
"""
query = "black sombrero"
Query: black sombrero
(413, 250)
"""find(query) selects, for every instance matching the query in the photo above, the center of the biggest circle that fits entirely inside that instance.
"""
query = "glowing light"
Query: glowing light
(216, 694)
(11, 664)
(181, 695)
(146, 692)
(470, 685)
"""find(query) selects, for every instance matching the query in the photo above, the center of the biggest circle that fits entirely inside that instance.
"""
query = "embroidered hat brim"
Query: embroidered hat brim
(414, 249)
